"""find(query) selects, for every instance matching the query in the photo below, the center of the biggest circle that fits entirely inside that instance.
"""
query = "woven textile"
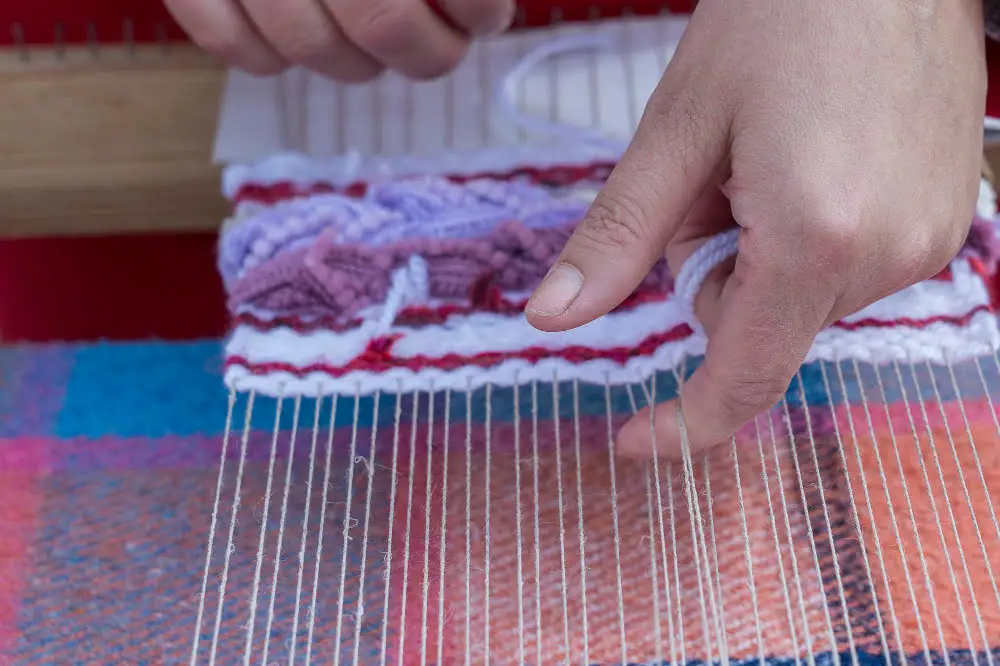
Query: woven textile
(109, 458)
(419, 283)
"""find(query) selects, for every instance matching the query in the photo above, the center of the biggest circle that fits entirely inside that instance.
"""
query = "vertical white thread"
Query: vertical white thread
(562, 523)
(892, 514)
(281, 527)
(487, 535)
(305, 528)
(322, 526)
(628, 65)
(965, 490)
(751, 583)
(857, 523)
(953, 578)
(409, 521)
(428, 492)
(232, 528)
(614, 513)
(677, 572)
(537, 530)
(805, 511)
(653, 566)
(928, 583)
(468, 525)
(968, 429)
(230, 403)
(397, 419)
(517, 516)
(654, 572)
(484, 90)
(724, 634)
(773, 519)
(871, 511)
(650, 396)
(829, 529)
(370, 470)
(579, 509)
(444, 524)
(255, 591)
(951, 517)
(694, 515)
(346, 534)
(807, 637)
(698, 532)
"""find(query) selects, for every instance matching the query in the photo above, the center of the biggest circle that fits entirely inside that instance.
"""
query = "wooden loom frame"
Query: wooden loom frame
(111, 140)
(115, 139)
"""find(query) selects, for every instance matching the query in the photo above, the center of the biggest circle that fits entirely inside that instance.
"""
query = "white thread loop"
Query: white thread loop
(507, 92)
(706, 258)
(410, 284)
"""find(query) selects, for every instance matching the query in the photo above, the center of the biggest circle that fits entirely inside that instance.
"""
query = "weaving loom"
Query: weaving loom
(469, 508)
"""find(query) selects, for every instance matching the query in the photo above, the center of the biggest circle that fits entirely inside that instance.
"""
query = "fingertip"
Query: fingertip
(643, 438)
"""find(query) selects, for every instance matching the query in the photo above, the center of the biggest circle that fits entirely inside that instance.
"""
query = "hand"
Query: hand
(845, 140)
(349, 40)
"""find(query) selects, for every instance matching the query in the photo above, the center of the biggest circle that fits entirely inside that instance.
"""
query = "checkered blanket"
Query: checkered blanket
(109, 460)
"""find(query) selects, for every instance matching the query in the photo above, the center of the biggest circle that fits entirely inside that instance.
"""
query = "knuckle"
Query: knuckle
(614, 222)
(481, 17)
(380, 26)
(833, 228)
(745, 396)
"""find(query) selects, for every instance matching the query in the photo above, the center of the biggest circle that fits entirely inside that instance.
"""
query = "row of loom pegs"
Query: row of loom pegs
(56, 25)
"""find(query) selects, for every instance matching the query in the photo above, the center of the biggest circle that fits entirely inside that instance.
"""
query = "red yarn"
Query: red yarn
(377, 357)
(553, 176)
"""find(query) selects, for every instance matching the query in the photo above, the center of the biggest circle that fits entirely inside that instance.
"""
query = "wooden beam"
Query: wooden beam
(108, 140)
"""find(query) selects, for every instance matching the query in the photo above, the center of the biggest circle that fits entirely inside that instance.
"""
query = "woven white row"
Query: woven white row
(341, 171)
(965, 330)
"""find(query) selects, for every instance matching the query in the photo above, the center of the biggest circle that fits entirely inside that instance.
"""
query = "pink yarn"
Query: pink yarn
(332, 279)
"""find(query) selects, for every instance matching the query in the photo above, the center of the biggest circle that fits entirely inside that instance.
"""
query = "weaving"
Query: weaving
(419, 284)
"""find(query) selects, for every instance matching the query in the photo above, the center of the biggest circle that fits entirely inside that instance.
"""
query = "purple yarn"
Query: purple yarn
(334, 279)
(411, 208)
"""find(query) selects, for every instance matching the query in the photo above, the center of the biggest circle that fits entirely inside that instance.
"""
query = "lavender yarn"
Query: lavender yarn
(412, 208)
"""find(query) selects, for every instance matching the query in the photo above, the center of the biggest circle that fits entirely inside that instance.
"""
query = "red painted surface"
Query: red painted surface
(116, 287)
(150, 21)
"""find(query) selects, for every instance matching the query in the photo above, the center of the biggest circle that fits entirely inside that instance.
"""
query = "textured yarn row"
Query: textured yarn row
(419, 283)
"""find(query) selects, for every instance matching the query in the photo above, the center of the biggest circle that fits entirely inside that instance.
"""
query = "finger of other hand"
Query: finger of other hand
(405, 35)
(304, 33)
(479, 17)
(222, 27)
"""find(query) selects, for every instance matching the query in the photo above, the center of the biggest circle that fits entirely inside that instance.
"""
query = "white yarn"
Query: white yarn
(936, 343)
(507, 91)
(303, 171)
(986, 205)
(480, 333)
(410, 284)
(716, 249)
(505, 374)
(468, 335)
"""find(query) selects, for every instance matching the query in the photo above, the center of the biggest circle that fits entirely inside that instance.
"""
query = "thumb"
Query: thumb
(770, 314)
(674, 153)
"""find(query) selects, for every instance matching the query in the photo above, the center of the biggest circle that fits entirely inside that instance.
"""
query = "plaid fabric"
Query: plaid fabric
(109, 461)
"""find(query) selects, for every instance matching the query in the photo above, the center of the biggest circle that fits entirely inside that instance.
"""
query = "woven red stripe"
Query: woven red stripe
(378, 357)
(552, 176)
(419, 316)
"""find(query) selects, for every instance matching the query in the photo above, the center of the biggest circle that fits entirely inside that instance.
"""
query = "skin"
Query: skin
(844, 139)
